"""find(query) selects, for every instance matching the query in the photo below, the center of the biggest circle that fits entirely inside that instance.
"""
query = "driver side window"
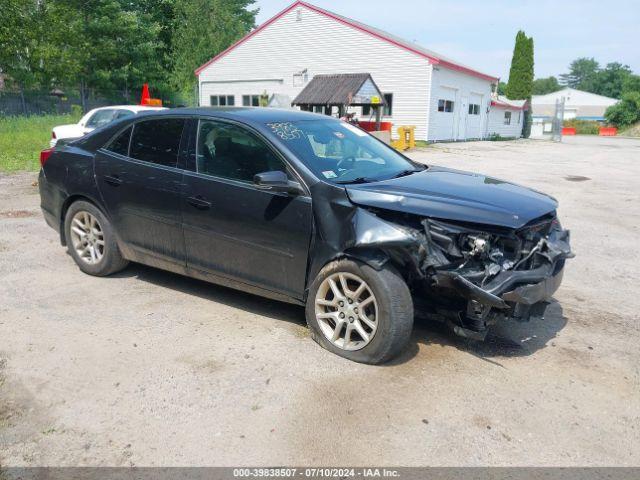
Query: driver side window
(229, 151)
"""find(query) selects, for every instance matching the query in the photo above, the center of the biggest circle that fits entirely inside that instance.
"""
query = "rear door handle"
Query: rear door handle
(113, 180)
(199, 202)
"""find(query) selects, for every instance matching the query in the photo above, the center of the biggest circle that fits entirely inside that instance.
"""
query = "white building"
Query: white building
(577, 104)
(506, 117)
(444, 99)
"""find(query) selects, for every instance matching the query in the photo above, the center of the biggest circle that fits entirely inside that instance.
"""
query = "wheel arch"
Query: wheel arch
(70, 200)
(374, 257)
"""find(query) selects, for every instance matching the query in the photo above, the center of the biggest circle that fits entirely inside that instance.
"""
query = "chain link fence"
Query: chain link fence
(58, 102)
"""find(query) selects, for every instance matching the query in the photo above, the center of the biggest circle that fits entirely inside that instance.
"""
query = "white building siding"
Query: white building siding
(309, 40)
(462, 89)
(497, 125)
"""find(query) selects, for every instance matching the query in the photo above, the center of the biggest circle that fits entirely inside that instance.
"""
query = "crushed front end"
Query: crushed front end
(474, 276)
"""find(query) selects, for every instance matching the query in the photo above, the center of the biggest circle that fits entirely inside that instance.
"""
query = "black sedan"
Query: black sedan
(310, 210)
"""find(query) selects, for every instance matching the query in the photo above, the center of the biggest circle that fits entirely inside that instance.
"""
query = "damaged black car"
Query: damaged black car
(310, 210)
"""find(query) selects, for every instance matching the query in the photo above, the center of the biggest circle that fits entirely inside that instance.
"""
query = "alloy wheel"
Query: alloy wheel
(87, 237)
(346, 311)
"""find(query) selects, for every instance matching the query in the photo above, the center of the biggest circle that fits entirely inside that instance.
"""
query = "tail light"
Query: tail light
(44, 155)
(53, 134)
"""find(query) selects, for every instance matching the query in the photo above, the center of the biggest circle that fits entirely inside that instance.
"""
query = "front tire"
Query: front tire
(360, 313)
(91, 241)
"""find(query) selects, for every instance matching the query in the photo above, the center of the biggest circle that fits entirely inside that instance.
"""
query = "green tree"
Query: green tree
(610, 80)
(204, 28)
(626, 112)
(582, 73)
(542, 86)
(631, 84)
(520, 85)
(102, 44)
(21, 42)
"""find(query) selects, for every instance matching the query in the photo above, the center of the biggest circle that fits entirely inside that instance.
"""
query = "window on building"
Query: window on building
(157, 141)
(120, 144)
(445, 106)
(474, 109)
(519, 116)
(318, 109)
(388, 108)
(229, 151)
(507, 118)
(251, 100)
(222, 100)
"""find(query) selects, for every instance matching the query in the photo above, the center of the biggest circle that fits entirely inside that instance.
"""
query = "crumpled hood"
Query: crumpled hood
(450, 194)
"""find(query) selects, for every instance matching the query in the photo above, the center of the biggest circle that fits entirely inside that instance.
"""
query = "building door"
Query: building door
(462, 118)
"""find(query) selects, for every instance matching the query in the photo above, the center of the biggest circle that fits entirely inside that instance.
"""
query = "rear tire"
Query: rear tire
(360, 313)
(91, 241)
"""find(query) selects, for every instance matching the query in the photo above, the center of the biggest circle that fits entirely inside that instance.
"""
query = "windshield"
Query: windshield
(342, 153)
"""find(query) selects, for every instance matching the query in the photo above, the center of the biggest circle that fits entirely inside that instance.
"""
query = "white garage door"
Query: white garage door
(446, 114)
(475, 116)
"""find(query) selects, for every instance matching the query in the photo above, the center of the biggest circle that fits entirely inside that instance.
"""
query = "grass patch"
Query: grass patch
(22, 139)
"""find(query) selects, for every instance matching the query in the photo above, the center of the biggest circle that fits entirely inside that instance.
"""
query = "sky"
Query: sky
(481, 33)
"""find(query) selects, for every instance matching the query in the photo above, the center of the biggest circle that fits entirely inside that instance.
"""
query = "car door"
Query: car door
(235, 229)
(140, 183)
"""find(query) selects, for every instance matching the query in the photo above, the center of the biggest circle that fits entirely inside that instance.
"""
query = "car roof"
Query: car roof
(256, 115)
(134, 108)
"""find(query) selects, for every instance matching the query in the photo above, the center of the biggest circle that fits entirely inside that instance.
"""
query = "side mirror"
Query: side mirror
(277, 181)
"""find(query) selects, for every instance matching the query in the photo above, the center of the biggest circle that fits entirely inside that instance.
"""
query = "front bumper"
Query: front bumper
(517, 294)
(526, 287)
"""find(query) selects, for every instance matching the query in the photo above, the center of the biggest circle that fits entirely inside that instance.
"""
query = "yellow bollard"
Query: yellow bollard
(406, 138)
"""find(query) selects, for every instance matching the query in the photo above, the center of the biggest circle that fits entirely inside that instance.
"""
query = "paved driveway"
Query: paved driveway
(150, 368)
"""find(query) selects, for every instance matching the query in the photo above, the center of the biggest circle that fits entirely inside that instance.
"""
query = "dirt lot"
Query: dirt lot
(150, 368)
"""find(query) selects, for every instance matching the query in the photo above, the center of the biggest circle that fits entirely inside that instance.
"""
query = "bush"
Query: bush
(626, 112)
(496, 137)
(76, 111)
(583, 127)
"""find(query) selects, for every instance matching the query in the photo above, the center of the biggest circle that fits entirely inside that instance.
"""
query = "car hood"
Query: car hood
(448, 194)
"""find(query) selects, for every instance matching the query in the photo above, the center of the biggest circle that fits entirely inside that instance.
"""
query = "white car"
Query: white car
(94, 119)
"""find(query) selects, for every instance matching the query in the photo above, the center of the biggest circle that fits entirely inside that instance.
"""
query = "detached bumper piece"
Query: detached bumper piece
(516, 294)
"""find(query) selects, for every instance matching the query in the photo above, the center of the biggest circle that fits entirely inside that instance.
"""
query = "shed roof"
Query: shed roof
(339, 89)
(504, 102)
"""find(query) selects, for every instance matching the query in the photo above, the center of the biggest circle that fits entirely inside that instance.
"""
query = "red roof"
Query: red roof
(433, 57)
(499, 104)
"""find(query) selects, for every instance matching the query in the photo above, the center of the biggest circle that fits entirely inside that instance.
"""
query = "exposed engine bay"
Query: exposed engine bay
(471, 276)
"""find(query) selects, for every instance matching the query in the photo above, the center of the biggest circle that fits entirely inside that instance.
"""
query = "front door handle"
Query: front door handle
(113, 180)
(199, 202)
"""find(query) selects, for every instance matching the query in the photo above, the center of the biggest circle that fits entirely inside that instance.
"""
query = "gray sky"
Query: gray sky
(481, 33)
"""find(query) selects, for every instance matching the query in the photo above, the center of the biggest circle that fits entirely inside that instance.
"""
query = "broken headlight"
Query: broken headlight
(475, 254)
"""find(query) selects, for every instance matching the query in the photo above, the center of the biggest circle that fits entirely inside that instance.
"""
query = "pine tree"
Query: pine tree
(520, 85)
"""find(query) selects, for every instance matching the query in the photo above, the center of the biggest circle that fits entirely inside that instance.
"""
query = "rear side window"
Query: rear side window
(157, 141)
(101, 117)
(120, 144)
(123, 114)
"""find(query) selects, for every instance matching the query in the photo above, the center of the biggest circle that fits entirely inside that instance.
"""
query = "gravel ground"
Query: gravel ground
(151, 368)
